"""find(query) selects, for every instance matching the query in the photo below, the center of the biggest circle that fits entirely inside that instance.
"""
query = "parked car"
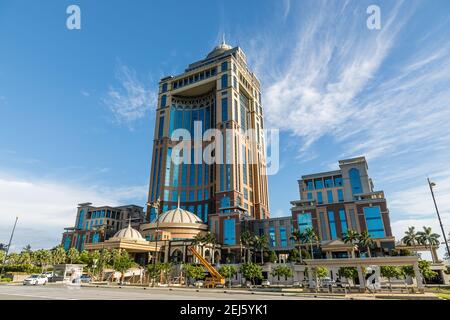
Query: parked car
(84, 278)
(35, 279)
(48, 274)
(265, 283)
(198, 283)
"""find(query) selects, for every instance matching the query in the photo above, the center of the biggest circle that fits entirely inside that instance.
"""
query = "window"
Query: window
(199, 195)
(163, 100)
(225, 202)
(318, 183)
(283, 237)
(80, 220)
(224, 81)
(67, 242)
(272, 241)
(344, 225)
(229, 226)
(330, 196)
(310, 196)
(338, 181)
(309, 185)
(224, 66)
(224, 109)
(332, 224)
(328, 183)
(161, 127)
(355, 181)
(374, 222)
(164, 87)
(319, 198)
(340, 195)
(304, 221)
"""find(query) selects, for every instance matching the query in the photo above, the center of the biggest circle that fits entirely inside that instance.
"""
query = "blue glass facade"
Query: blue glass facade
(304, 221)
(330, 196)
(374, 222)
(332, 225)
(81, 219)
(355, 181)
(343, 218)
(229, 226)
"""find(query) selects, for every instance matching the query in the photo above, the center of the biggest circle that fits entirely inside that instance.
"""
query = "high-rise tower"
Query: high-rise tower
(222, 93)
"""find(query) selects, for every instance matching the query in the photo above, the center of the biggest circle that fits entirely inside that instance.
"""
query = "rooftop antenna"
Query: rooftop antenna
(223, 38)
(178, 201)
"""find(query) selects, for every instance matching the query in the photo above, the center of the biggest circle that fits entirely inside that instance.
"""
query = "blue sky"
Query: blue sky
(76, 107)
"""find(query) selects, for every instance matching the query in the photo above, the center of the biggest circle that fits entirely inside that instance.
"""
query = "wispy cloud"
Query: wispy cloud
(45, 207)
(132, 99)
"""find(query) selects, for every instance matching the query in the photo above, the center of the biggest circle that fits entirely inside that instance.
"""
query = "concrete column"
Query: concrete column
(166, 253)
(362, 279)
(418, 276)
(434, 255)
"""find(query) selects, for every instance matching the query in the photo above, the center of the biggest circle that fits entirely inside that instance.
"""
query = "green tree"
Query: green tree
(390, 272)
(165, 269)
(246, 243)
(122, 263)
(228, 272)
(351, 237)
(321, 272)
(365, 241)
(194, 272)
(42, 258)
(428, 239)
(260, 243)
(58, 255)
(297, 236)
(251, 271)
(272, 256)
(72, 255)
(349, 273)
(153, 273)
(424, 269)
(210, 239)
(310, 236)
(282, 271)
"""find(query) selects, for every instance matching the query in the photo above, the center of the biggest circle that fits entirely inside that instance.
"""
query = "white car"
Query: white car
(48, 274)
(36, 279)
(265, 283)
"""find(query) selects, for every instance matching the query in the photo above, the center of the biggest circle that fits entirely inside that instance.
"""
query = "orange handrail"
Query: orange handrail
(214, 273)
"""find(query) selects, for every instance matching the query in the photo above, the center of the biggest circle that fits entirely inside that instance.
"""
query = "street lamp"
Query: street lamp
(156, 204)
(431, 185)
(9, 246)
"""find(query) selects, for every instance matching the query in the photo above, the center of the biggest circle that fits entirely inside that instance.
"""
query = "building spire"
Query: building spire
(178, 201)
(223, 38)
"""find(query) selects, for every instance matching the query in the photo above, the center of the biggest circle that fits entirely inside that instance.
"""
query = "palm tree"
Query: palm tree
(58, 255)
(428, 238)
(351, 237)
(365, 241)
(3, 247)
(27, 248)
(411, 238)
(210, 238)
(246, 242)
(297, 236)
(310, 236)
(72, 255)
(261, 244)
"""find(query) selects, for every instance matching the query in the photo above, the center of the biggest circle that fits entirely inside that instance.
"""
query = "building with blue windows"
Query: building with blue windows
(218, 92)
(331, 203)
(97, 224)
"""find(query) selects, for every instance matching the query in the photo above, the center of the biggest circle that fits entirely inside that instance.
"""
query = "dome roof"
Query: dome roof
(178, 215)
(128, 233)
(221, 48)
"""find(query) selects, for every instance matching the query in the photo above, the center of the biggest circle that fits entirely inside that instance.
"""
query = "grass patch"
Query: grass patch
(445, 296)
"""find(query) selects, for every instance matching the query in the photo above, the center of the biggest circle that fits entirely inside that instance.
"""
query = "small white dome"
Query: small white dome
(221, 48)
(128, 233)
(178, 215)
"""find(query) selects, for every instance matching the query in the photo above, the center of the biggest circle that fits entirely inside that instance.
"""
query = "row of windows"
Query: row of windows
(330, 196)
(194, 78)
(373, 218)
(330, 182)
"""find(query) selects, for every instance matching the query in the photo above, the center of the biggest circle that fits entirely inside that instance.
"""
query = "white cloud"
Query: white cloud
(133, 99)
(44, 208)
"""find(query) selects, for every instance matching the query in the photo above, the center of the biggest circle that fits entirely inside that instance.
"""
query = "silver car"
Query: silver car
(35, 279)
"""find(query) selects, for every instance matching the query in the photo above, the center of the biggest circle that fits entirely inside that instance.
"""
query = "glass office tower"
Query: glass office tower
(218, 92)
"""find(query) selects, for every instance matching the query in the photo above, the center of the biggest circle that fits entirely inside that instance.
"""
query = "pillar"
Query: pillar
(434, 255)
(362, 279)
(418, 277)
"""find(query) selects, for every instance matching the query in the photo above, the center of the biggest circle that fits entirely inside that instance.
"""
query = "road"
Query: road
(62, 292)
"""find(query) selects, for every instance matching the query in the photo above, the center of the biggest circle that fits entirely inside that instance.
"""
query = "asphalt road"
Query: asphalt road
(62, 292)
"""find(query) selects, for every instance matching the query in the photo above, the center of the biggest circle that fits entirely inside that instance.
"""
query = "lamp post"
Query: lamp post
(9, 246)
(431, 185)
(156, 204)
